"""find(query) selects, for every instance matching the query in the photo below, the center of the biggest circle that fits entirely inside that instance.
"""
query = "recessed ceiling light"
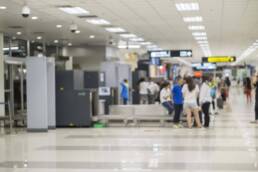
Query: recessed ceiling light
(69, 44)
(152, 46)
(127, 35)
(92, 36)
(199, 34)
(39, 37)
(56, 41)
(59, 26)
(196, 27)
(145, 43)
(77, 31)
(115, 29)
(202, 42)
(18, 33)
(34, 18)
(134, 46)
(193, 19)
(204, 45)
(137, 39)
(129, 46)
(187, 6)
(97, 21)
(3, 7)
(74, 10)
(201, 38)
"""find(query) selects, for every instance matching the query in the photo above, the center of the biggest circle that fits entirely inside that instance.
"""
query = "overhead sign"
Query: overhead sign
(219, 59)
(181, 53)
(204, 66)
(171, 53)
(154, 54)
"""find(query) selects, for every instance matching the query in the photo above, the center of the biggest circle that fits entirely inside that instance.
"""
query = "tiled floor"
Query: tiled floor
(230, 145)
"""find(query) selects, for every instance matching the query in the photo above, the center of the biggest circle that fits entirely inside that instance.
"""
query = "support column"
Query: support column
(2, 99)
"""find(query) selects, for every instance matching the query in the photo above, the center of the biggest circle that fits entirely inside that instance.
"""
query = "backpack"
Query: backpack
(213, 92)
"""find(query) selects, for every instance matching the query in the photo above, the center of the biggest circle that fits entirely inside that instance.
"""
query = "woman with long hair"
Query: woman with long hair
(190, 92)
(248, 90)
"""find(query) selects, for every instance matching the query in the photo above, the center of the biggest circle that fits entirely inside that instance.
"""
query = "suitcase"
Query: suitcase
(220, 103)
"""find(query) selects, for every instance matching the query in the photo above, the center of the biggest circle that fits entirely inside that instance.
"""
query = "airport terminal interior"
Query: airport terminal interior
(128, 85)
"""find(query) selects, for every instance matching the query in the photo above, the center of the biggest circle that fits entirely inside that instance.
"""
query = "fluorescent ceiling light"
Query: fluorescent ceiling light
(152, 46)
(137, 39)
(187, 7)
(34, 18)
(196, 27)
(203, 42)
(129, 46)
(56, 41)
(115, 29)
(74, 10)
(12, 48)
(145, 43)
(201, 38)
(122, 46)
(92, 36)
(77, 31)
(39, 37)
(127, 35)
(134, 46)
(97, 21)
(3, 7)
(18, 33)
(59, 26)
(192, 19)
(199, 34)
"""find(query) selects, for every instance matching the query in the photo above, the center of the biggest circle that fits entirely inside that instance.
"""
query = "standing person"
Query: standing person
(165, 98)
(190, 93)
(143, 90)
(177, 99)
(153, 90)
(248, 90)
(227, 84)
(205, 100)
(256, 100)
(125, 91)
(213, 93)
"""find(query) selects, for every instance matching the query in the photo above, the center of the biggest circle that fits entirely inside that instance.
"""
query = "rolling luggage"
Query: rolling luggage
(220, 103)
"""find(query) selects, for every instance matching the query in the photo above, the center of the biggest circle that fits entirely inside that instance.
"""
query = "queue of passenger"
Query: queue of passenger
(187, 97)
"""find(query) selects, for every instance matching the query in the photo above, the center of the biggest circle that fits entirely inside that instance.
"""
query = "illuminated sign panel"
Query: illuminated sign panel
(154, 54)
(171, 53)
(219, 59)
(204, 66)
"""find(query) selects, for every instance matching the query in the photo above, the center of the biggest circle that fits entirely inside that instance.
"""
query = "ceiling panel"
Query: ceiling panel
(231, 25)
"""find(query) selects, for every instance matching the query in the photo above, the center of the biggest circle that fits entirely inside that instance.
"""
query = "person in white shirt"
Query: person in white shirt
(165, 98)
(143, 91)
(190, 93)
(153, 90)
(205, 100)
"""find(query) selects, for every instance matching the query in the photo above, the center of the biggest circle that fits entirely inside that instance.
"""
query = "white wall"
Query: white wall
(2, 109)
(88, 57)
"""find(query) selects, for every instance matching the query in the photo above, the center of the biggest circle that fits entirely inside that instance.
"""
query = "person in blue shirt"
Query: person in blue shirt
(125, 91)
(178, 99)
